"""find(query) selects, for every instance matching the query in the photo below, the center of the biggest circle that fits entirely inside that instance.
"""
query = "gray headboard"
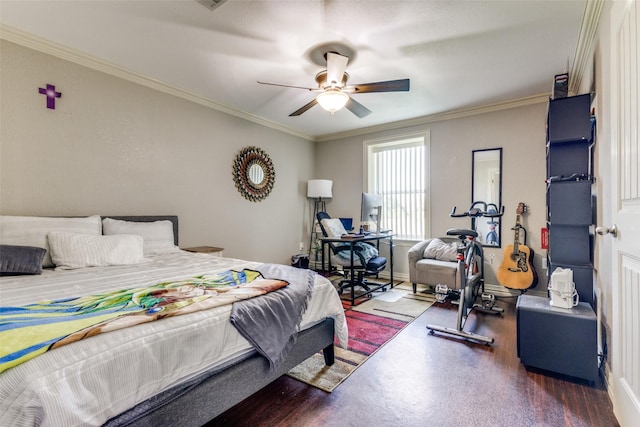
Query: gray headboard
(151, 218)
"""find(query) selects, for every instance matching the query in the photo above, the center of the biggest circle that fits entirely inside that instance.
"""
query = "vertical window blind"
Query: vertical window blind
(398, 171)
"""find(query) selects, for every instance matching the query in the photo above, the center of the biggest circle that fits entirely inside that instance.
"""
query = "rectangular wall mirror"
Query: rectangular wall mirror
(486, 186)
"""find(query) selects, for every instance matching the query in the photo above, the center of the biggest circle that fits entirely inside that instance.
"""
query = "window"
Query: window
(398, 170)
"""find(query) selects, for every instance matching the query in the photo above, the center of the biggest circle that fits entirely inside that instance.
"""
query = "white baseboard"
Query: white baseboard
(497, 290)
(501, 291)
(397, 277)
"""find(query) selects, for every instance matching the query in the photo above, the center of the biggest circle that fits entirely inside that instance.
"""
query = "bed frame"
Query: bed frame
(201, 399)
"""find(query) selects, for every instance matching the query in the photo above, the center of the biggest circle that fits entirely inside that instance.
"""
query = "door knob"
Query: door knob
(604, 230)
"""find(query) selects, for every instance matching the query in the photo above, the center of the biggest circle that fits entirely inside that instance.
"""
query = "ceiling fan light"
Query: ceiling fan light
(332, 100)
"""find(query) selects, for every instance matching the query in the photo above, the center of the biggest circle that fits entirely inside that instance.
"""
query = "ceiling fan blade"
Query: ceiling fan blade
(283, 85)
(336, 64)
(304, 108)
(356, 108)
(389, 86)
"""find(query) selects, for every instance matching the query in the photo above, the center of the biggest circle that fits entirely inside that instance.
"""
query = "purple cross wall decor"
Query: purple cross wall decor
(51, 93)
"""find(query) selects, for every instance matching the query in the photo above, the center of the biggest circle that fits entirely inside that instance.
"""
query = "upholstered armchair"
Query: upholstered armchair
(433, 261)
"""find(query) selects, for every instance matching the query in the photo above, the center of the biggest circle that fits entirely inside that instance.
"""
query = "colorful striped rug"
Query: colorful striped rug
(368, 332)
(371, 325)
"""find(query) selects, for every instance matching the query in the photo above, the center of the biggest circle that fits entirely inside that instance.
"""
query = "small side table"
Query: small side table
(211, 250)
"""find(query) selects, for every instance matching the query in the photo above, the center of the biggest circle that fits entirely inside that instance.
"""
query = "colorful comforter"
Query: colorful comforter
(110, 373)
(30, 330)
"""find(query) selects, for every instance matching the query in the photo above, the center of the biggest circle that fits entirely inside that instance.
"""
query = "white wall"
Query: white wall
(116, 147)
(519, 131)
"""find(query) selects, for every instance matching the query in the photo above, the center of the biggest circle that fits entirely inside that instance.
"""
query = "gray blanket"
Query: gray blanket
(272, 321)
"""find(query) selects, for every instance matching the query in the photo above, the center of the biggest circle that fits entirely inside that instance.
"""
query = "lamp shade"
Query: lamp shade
(319, 188)
(332, 100)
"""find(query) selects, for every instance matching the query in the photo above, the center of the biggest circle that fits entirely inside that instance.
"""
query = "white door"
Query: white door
(625, 211)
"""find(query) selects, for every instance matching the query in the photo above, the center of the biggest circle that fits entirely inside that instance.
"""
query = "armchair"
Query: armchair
(366, 261)
(433, 262)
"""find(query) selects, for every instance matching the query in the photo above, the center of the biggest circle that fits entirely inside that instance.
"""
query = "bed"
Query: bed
(182, 370)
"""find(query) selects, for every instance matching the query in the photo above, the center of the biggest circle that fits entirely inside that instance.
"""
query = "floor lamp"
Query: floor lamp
(318, 189)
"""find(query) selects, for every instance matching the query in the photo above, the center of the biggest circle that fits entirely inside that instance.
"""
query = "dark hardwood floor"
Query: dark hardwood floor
(419, 379)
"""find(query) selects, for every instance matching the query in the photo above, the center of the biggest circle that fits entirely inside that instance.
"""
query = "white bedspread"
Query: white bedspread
(90, 381)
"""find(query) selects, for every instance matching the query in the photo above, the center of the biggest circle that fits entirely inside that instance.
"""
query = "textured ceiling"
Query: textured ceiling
(458, 54)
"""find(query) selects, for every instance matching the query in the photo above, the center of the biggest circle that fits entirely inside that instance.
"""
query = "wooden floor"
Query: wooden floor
(419, 379)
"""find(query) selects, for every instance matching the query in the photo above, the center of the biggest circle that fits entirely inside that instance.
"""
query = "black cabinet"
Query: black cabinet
(569, 119)
(570, 244)
(561, 340)
(569, 158)
(570, 203)
(564, 340)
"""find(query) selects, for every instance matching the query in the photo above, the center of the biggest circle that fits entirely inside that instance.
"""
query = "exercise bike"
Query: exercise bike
(470, 257)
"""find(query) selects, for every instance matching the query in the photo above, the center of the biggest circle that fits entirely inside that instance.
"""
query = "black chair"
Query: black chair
(361, 267)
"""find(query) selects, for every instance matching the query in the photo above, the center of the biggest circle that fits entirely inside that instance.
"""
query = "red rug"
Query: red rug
(368, 332)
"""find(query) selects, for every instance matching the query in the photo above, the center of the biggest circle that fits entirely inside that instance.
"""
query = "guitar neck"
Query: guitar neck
(516, 237)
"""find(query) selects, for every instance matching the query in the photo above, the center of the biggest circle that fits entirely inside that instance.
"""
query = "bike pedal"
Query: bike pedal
(441, 292)
(441, 289)
(488, 300)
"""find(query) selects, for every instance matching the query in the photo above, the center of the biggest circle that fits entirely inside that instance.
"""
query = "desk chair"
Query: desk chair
(366, 261)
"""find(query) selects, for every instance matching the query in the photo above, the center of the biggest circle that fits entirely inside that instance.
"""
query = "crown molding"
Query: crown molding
(439, 117)
(584, 48)
(45, 46)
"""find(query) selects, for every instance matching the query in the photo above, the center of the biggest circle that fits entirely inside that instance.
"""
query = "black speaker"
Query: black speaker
(300, 261)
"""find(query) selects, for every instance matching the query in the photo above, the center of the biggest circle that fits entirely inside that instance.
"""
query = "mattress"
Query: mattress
(90, 381)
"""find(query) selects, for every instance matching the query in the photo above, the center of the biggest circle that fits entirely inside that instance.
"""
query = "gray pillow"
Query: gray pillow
(16, 260)
(437, 249)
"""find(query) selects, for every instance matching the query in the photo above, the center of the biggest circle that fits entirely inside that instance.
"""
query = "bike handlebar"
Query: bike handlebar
(489, 210)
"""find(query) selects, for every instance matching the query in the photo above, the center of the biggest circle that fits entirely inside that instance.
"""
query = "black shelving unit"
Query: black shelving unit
(571, 202)
(571, 211)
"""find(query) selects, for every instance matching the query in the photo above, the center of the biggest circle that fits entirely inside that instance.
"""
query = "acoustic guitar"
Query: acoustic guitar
(517, 270)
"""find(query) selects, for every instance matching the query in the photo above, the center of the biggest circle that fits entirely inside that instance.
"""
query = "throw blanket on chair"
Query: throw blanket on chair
(33, 329)
(366, 250)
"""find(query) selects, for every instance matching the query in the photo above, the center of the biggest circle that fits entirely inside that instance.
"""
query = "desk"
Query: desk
(351, 241)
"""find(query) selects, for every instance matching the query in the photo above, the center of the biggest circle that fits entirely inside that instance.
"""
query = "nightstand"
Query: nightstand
(211, 250)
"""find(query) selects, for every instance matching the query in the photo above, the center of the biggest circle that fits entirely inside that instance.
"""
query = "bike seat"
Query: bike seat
(461, 232)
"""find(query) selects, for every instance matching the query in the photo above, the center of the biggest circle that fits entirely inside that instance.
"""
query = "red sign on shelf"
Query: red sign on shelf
(544, 238)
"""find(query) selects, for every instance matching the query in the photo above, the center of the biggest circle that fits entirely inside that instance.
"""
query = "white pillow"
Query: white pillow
(333, 227)
(157, 235)
(437, 249)
(72, 250)
(33, 230)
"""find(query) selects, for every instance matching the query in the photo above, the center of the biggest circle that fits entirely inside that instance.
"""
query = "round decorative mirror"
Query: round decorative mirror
(253, 173)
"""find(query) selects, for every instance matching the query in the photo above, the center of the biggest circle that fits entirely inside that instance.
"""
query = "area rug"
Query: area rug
(371, 325)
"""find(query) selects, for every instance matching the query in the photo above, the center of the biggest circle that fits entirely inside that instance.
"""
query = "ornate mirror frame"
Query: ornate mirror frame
(253, 173)
(486, 186)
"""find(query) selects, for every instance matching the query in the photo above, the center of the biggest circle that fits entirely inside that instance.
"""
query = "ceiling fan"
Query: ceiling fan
(334, 92)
